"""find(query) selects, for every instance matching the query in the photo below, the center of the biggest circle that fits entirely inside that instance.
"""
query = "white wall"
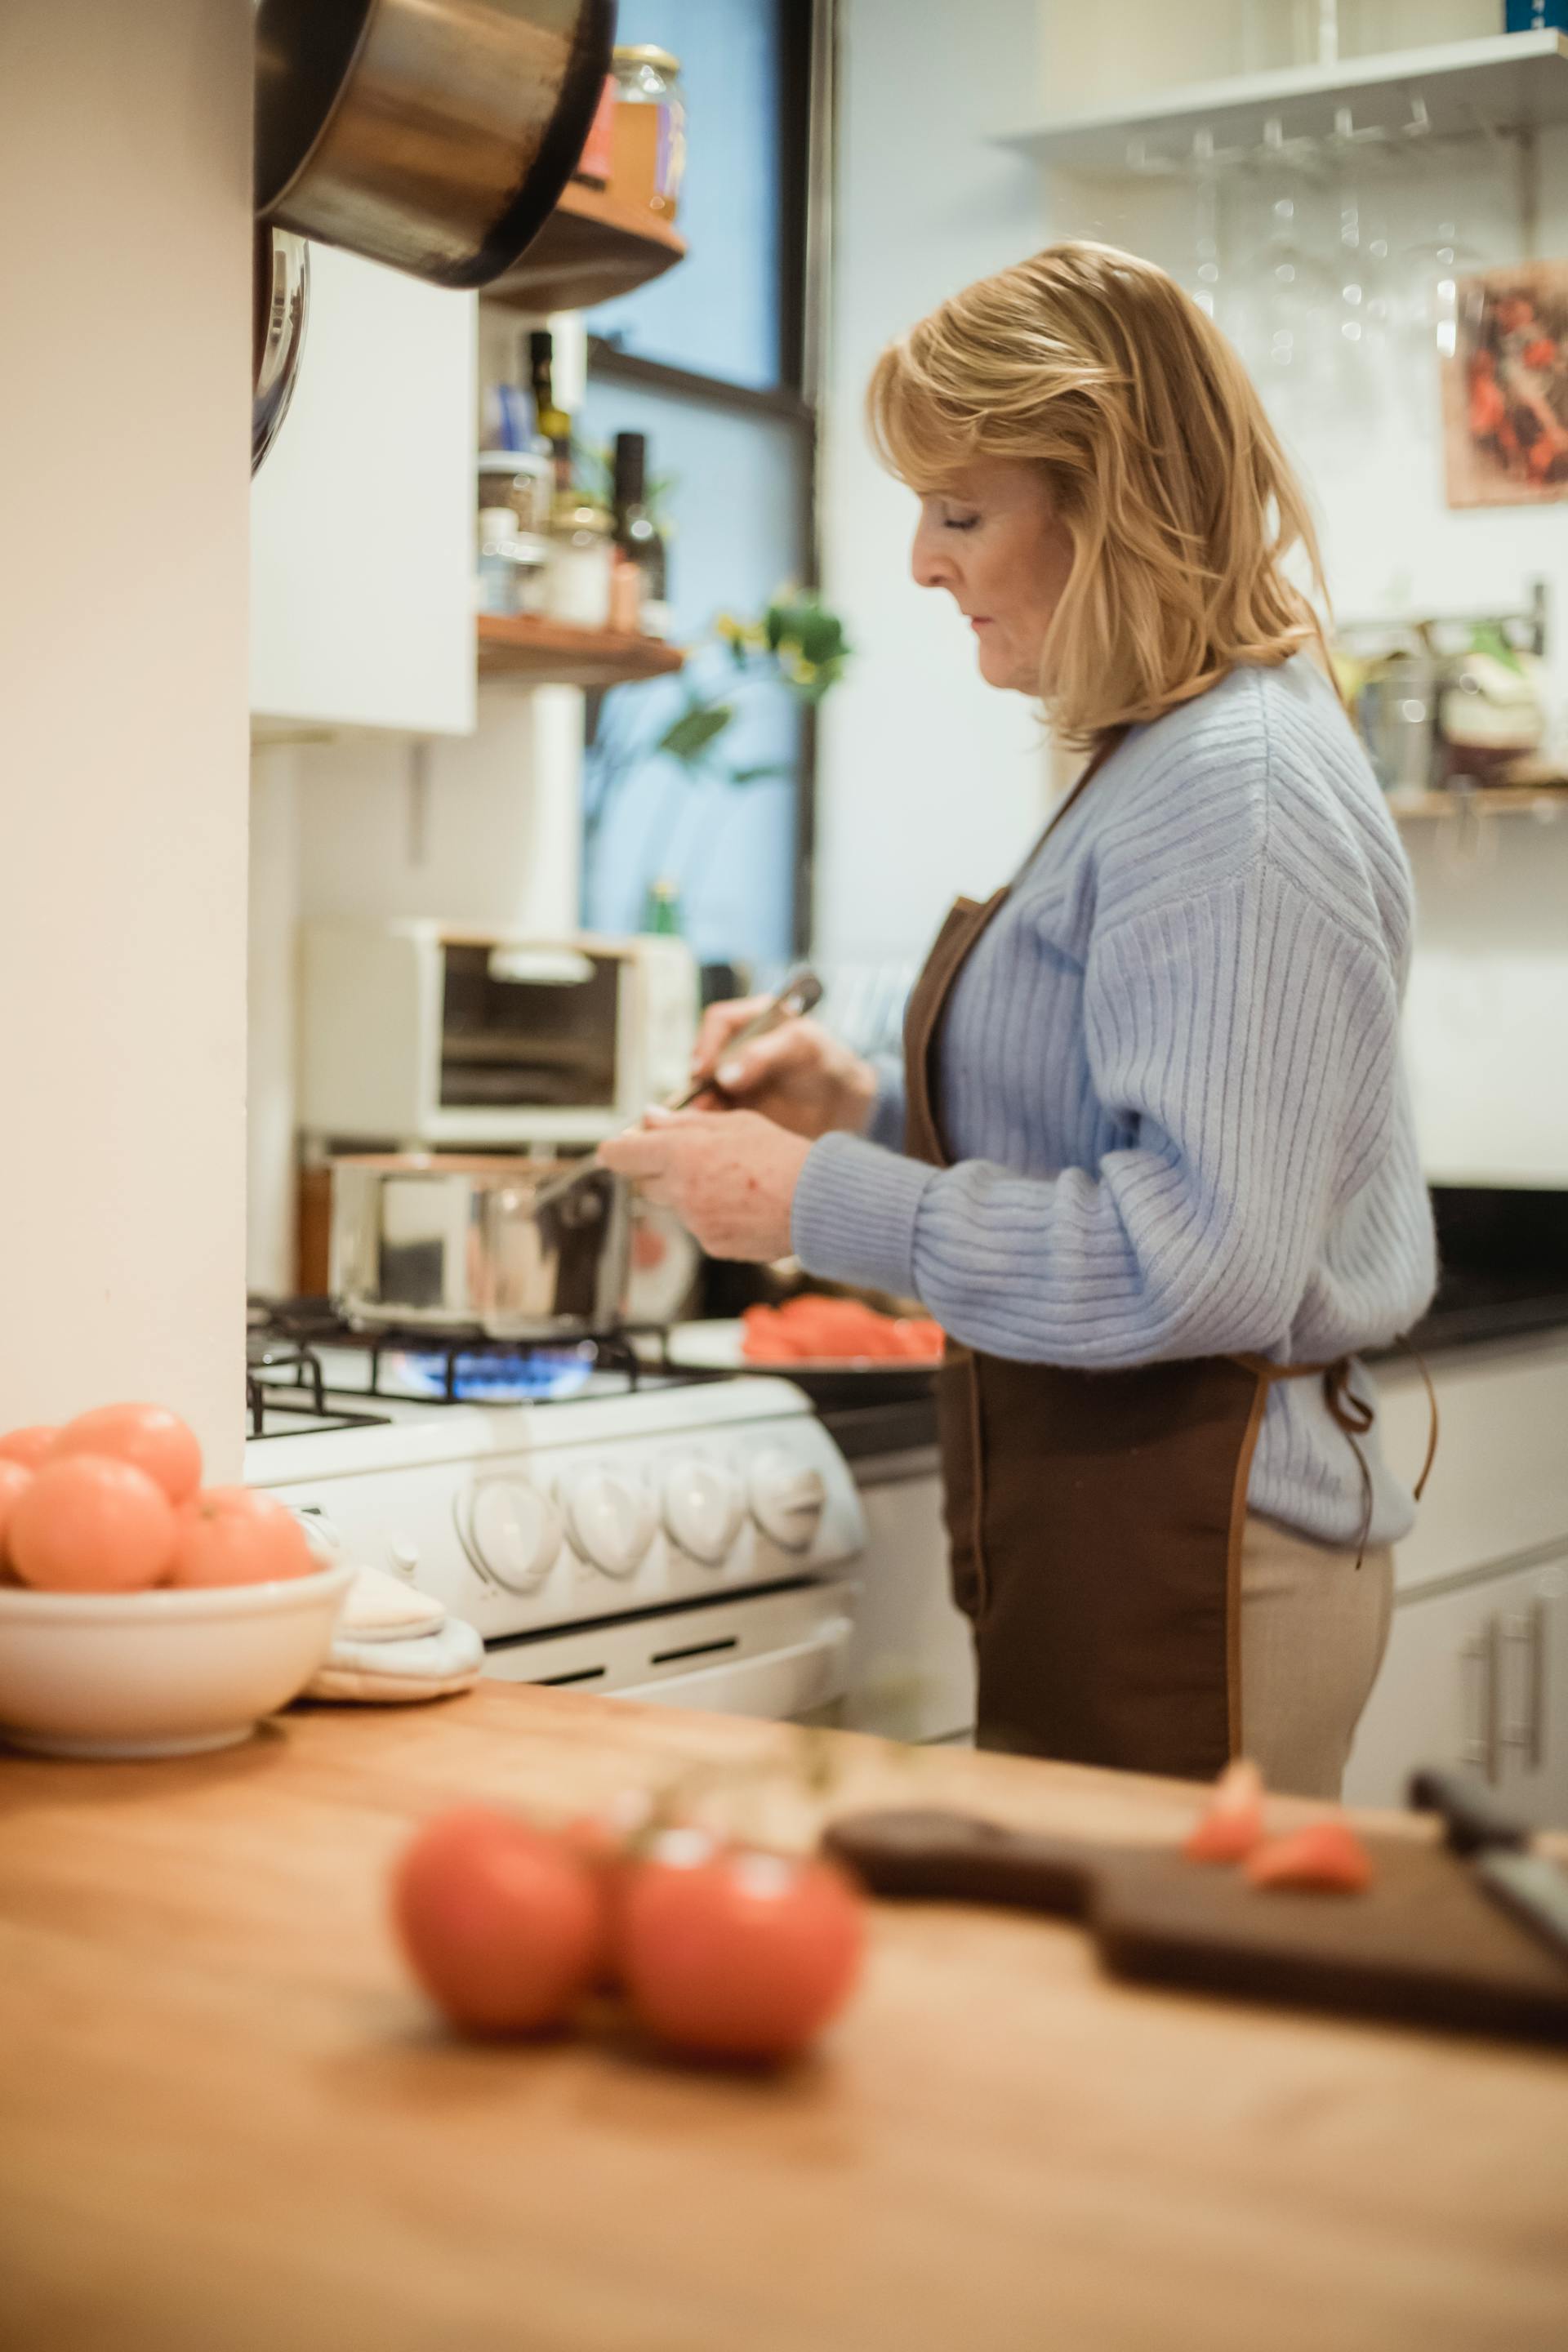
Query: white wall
(271, 1052)
(124, 463)
(930, 782)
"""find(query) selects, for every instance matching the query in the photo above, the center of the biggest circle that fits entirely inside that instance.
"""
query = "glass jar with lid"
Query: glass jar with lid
(650, 130)
(522, 480)
(577, 579)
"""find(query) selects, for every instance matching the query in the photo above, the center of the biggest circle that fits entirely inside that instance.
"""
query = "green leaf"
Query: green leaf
(688, 737)
(761, 774)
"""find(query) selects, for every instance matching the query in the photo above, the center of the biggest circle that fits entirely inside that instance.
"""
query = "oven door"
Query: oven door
(778, 1656)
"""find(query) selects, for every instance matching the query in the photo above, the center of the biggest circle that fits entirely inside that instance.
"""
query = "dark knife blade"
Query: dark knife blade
(1496, 1848)
(1533, 1889)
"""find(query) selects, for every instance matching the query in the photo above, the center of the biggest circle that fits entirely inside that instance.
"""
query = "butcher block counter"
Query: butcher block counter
(227, 2121)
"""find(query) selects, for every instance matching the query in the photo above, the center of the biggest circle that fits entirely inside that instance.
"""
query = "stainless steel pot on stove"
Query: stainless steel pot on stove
(497, 1247)
(434, 135)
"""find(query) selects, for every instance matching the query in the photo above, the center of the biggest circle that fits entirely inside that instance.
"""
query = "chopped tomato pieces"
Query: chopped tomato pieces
(1232, 1823)
(1327, 1856)
(845, 1328)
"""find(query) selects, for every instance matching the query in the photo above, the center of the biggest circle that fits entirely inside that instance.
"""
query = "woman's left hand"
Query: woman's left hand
(730, 1176)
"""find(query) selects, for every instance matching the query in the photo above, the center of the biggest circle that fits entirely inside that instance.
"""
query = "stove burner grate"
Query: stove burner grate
(435, 1366)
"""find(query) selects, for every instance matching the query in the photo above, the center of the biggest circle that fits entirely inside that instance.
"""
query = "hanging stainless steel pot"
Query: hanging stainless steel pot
(281, 289)
(492, 1246)
(434, 135)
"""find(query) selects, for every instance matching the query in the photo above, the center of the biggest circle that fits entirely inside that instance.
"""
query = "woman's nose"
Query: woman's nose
(930, 564)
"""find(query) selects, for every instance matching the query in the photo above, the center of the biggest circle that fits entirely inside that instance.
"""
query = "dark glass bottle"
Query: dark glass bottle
(554, 423)
(638, 538)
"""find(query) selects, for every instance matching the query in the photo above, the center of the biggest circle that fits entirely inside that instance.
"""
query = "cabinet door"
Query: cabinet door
(1473, 1680)
(362, 515)
(1532, 1688)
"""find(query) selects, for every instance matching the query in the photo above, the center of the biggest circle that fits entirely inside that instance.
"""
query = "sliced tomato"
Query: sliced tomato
(1326, 1855)
(1231, 1825)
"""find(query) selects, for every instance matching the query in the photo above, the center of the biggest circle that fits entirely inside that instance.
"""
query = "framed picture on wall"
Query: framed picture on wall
(1505, 388)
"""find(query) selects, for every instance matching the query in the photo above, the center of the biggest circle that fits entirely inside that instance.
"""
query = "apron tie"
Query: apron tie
(1355, 1416)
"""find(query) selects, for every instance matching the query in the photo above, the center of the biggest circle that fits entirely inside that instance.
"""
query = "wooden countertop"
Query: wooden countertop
(227, 2124)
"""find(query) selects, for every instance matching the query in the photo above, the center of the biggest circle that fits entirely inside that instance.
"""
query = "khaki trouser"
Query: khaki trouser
(1313, 1630)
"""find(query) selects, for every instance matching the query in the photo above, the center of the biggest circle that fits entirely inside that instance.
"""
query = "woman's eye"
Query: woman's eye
(961, 522)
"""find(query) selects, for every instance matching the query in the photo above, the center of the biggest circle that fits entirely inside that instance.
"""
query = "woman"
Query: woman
(1151, 1163)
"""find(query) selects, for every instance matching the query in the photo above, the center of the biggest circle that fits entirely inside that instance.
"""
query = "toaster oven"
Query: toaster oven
(420, 1034)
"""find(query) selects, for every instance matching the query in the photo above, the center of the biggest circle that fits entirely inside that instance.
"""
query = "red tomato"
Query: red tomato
(503, 1926)
(91, 1525)
(156, 1441)
(1326, 1855)
(30, 1447)
(1232, 1823)
(236, 1535)
(733, 1954)
(15, 1481)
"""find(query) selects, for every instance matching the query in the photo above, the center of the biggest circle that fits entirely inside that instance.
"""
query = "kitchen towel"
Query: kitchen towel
(395, 1644)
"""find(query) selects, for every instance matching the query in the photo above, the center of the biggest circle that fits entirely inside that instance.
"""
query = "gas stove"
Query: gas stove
(598, 1519)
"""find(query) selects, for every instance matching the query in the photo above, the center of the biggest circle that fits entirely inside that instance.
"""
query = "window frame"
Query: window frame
(807, 33)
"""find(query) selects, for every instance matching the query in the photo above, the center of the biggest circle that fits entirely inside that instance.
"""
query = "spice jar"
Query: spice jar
(521, 479)
(494, 581)
(577, 581)
(650, 130)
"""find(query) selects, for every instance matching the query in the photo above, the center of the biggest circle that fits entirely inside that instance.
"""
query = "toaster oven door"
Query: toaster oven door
(529, 1028)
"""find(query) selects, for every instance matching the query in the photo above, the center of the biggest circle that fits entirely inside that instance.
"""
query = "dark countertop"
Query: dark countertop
(1466, 1314)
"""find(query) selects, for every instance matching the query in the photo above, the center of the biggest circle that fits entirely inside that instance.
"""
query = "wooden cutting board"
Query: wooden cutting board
(1423, 1945)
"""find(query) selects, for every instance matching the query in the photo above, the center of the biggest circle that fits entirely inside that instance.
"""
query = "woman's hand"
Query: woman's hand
(730, 1176)
(797, 1076)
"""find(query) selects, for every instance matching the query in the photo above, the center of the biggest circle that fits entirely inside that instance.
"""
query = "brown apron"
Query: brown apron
(1095, 1518)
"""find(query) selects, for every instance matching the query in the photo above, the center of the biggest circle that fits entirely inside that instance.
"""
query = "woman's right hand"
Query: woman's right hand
(797, 1076)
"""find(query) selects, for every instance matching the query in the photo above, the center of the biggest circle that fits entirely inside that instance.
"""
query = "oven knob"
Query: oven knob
(787, 1499)
(515, 1532)
(611, 1521)
(703, 1508)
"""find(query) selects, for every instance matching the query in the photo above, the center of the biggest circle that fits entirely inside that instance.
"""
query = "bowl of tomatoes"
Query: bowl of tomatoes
(142, 1613)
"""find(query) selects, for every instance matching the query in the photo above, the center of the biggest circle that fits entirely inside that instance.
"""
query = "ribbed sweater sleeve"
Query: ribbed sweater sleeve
(1242, 1039)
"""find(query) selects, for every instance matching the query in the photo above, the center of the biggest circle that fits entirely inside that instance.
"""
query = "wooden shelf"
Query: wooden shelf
(553, 653)
(1549, 801)
(1505, 81)
(593, 247)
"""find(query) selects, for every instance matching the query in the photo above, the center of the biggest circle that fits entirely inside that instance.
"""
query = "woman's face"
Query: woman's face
(990, 539)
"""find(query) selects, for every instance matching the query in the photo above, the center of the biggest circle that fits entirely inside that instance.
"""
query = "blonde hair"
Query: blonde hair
(1179, 502)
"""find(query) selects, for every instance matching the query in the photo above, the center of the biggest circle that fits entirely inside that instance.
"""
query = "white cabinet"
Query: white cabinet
(1477, 1671)
(1475, 1679)
(362, 515)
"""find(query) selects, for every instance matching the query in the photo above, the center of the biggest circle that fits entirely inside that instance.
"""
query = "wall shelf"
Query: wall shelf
(1504, 82)
(1545, 801)
(593, 247)
(538, 652)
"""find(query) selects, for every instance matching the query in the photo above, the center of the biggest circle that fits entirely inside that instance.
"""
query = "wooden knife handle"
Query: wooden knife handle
(1471, 1816)
(957, 1858)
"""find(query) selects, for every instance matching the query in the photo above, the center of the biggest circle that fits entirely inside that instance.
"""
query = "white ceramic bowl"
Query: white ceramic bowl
(159, 1673)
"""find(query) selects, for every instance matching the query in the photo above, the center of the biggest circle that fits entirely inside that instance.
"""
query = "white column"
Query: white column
(124, 458)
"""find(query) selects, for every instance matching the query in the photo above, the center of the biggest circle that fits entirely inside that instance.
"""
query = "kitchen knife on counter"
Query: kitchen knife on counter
(1497, 1849)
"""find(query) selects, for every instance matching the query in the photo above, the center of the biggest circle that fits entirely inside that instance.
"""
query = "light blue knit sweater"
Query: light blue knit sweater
(1171, 1084)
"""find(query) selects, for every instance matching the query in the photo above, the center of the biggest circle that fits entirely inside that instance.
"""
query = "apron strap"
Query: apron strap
(1355, 1416)
(1419, 1360)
